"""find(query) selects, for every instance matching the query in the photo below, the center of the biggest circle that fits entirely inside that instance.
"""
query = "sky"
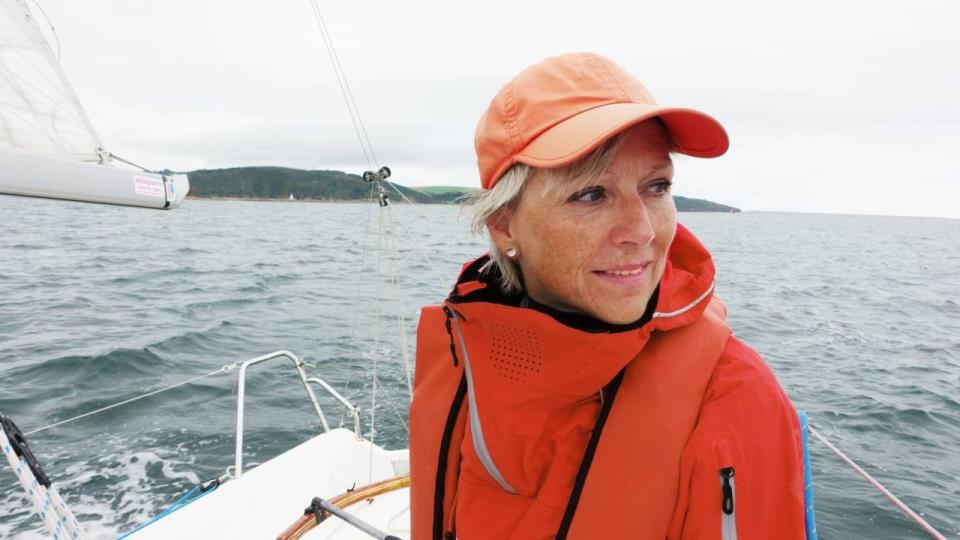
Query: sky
(831, 106)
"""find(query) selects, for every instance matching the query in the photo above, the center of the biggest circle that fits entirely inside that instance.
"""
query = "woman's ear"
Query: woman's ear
(500, 230)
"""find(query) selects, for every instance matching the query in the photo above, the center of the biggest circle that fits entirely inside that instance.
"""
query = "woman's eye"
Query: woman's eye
(659, 187)
(590, 194)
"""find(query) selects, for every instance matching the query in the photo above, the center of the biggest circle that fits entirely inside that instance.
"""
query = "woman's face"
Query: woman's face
(599, 245)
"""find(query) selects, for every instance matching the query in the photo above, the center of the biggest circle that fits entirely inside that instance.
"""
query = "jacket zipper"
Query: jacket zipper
(728, 491)
(439, 488)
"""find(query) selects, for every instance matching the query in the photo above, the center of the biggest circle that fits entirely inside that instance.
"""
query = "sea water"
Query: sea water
(858, 316)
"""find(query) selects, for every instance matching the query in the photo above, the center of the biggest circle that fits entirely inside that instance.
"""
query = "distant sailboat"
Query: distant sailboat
(48, 146)
(292, 198)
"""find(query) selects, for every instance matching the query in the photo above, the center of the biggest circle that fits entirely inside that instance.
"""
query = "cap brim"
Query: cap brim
(692, 132)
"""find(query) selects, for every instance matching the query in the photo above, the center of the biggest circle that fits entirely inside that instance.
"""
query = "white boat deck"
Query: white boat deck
(266, 500)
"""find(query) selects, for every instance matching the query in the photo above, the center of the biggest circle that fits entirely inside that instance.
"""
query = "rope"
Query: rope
(398, 303)
(396, 411)
(222, 369)
(47, 503)
(893, 498)
(419, 245)
(360, 275)
(376, 342)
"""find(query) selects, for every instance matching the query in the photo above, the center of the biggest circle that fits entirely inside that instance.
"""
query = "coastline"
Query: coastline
(367, 201)
(273, 199)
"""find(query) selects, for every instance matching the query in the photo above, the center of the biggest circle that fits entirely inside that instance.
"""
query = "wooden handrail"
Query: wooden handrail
(308, 521)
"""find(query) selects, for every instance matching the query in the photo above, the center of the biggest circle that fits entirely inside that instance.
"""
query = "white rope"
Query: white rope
(424, 253)
(398, 303)
(47, 503)
(376, 341)
(361, 274)
(393, 406)
(222, 369)
(893, 498)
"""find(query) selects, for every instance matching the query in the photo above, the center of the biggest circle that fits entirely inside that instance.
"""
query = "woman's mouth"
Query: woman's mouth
(626, 274)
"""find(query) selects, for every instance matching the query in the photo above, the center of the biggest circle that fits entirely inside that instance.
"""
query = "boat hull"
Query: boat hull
(267, 499)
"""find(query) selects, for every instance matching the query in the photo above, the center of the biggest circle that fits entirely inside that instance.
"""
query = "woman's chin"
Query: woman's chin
(621, 312)
(621, 304)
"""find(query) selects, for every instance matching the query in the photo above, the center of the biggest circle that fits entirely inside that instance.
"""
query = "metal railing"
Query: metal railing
(298, 363)
(354, 411)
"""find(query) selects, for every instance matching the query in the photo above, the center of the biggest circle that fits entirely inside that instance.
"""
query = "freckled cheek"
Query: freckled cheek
(564, 255)
(666, 230)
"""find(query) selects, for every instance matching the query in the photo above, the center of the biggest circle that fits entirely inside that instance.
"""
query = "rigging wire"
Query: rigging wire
(886, 492)
(222, 369)
(398, 303)
(376, 342)
(360, 275)
(393, 406)
(424, 253)
(383, 238)
(345, 90)
(402, 196)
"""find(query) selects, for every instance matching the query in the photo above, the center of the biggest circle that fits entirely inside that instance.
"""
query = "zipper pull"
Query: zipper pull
(727, 491)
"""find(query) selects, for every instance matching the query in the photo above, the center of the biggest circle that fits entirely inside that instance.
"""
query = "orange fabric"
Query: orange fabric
(558, 110)
(651, 421)
(440, 378)
(746, 422)
(692, 400)
(537, 422)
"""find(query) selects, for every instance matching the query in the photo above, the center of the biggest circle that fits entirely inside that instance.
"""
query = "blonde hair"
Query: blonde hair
(498, 203)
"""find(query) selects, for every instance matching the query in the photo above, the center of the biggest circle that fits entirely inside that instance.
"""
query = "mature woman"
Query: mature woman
(580, 381)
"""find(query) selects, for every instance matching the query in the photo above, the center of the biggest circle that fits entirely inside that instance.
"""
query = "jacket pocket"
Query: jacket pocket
(728, 490)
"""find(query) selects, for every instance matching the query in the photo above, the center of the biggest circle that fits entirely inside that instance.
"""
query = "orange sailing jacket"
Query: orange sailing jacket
(527, 425)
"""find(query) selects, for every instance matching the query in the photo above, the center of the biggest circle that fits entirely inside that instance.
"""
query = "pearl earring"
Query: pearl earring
(511, 252)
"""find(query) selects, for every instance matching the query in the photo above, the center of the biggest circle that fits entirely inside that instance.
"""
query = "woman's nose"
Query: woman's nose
(633, 222)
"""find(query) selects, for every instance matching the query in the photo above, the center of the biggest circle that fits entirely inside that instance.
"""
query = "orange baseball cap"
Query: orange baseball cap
(559, 110)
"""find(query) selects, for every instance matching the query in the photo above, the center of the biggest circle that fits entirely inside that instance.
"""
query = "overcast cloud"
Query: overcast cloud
(831, 106)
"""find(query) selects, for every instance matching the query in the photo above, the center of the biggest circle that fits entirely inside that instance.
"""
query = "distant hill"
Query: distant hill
(686, 204)
(281, 182)
(447, 194)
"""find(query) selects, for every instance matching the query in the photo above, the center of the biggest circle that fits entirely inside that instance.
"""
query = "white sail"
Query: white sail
(39, 111)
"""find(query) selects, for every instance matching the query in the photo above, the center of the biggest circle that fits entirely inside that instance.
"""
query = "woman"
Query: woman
(580, 380)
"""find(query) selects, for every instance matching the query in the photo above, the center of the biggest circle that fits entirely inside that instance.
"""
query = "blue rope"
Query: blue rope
(809, 517)
(193, 494)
